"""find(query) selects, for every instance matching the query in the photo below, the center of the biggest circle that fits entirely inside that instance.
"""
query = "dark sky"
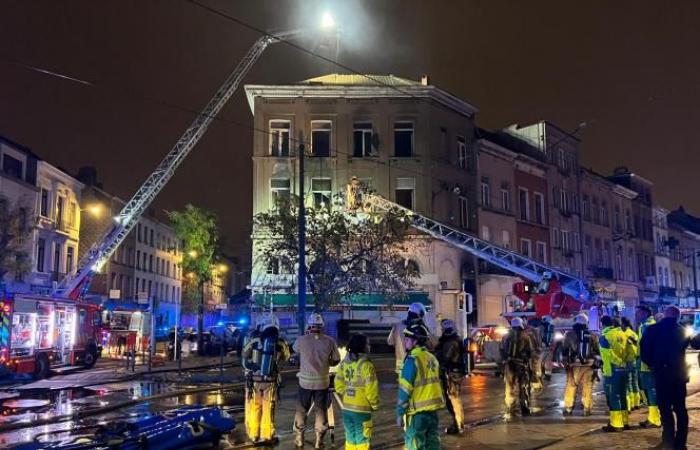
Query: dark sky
(628, 68)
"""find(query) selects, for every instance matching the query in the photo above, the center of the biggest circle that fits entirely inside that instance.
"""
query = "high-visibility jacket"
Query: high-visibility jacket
(643, 327)
(632, 346)
(356, 383)
(419, 383)
(613, 350)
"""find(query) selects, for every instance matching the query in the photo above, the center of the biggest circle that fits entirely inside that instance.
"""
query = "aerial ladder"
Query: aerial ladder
(360, 199)
(75, 286)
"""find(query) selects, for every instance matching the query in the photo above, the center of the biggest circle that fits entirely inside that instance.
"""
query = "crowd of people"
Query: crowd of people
(642, 364)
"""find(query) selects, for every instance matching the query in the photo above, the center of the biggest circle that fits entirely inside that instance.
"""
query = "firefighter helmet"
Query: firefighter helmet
(316, 321)
(448, 327)
(267, 321)
(417, 308)
(547, 319)
(517, 322)
(416, 331)
(581, 319)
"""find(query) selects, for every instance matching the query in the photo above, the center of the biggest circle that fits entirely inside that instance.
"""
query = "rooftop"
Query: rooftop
(341, 79)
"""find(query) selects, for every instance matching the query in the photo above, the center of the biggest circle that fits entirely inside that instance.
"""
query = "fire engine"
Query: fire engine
(41, 333)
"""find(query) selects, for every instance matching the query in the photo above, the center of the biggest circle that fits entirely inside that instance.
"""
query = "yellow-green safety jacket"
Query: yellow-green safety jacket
(356, 383)
(613, 350)
(632, 347)
(419, 383)
(643, 327)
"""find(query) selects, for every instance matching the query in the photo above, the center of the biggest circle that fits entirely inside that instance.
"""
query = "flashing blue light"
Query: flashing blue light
(219, 324)
(242, 321)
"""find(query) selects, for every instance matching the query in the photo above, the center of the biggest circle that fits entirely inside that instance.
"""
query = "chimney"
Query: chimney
(425, 80)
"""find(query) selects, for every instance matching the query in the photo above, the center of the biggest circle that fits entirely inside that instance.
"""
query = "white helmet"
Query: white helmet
(547, 318)
(517, 322)
(417, 308)
(267, 321)
(315, 321)
(581, 319)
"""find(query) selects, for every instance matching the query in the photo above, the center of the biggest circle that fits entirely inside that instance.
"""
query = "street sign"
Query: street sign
(115, 294)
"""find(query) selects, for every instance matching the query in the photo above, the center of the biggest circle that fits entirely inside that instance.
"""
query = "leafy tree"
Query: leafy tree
(15, 229)
(347, 253)
(196, 228)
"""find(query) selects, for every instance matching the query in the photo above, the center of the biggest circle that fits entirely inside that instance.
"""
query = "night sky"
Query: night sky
(630, 69)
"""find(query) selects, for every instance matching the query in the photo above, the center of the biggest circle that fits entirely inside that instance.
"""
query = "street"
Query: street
(482, 397)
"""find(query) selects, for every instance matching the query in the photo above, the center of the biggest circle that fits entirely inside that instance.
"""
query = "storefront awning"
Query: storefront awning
(359, 301)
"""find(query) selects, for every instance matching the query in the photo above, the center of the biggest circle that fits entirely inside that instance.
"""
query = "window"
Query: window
(604, 214)
(539, 208)
(606, 254)
(40, 254)
(321, 192)
(462, 152)
(138, 259)
(405, 192)
(485, 193)
(485, 233)
(280, 190)
(321, 138)
(280, 131)
(150, 263)
(12, 166)
(585, 208)
(463, 212)
(562, 159)
(616, 219)
(44, 206)
(403, 139)
(72, 214)
(144, 267)
(526, 247)
(70, 256)
(505, 199)
(541, 252)
(362, 139)
(273, 268)
(506, 239)
(555, 238)
(138, 233)
(563, 201)
(151, 240)
(60, 201)
(565, 244)
(57, 258)
(157, 265)
(524, 204)
(628, 222)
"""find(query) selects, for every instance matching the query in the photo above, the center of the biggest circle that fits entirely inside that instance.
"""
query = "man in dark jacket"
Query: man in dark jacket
(516, 356)
(450, 353)
(663, 349)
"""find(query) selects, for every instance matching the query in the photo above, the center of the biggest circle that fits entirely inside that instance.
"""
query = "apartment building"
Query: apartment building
(684, 245)
(662, 252)
(410, 141)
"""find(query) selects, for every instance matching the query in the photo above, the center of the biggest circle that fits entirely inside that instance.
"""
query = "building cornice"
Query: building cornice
(623, 191)
(496, 150)
(58, 173)
(334, 91)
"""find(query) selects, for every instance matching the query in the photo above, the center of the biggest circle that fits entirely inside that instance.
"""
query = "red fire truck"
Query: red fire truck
(38, 334)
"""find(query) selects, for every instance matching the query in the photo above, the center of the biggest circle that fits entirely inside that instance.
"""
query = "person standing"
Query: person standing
(546, 330)
(516, 354)
(420, 392)
(262, 357)
(581, 352)
(633, 396)
(356, 384)
(317, 352)
(450, 355)
(416, 315)
(614, 352)
(647, 380)
(663, 348)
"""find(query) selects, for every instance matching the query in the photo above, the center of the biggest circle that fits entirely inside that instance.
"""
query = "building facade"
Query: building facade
(662, 252)
(412, 144)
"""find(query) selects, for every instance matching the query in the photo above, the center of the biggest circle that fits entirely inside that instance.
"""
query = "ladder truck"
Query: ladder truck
(559, 294)
(39, 333)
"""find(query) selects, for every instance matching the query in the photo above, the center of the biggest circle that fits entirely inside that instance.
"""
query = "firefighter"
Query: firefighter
(262, 357)
(633, 396)
(516, 356)
(533, 331)
(317, 353)
(420, 392)
(450, 355)
(547, 336)
(356, 384)
(647, 380)
(581, 352)
(614, 353)
(416, 315)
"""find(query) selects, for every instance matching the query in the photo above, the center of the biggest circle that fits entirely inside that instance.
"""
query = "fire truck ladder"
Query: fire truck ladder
(505, 259)
(102, 250)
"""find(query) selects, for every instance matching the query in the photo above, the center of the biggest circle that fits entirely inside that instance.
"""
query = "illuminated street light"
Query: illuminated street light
(327, 21)
(190, 275)
(193, 253)
(95, 210)
(223, 268)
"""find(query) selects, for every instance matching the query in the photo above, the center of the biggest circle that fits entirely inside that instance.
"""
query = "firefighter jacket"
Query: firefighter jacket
(317, 353)
(450, 354)
(643, 327)
(613, 350)
(580, 348)
(420, 388)
(356, 383)
(517, 347)
(632, 346)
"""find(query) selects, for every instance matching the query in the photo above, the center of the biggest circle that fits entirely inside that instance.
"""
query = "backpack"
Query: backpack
(268, 353)
(583, 346)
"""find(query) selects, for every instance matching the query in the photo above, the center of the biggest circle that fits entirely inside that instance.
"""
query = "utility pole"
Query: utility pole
(301, 314)
(695, 277)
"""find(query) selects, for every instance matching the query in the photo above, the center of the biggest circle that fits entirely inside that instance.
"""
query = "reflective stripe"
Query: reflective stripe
(426, 381)
(440, 402)
(357, 408)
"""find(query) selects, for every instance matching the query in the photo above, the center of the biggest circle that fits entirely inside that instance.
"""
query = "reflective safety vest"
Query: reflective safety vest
(613, 350)
(632, 346)
(356, 383)
(643, 327)
(419, 384)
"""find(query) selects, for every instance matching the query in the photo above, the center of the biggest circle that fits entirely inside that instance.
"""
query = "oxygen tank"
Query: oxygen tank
(268, 354)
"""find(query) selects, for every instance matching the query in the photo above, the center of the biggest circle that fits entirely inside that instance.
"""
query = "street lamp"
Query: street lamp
(193, 253)
(95, 210)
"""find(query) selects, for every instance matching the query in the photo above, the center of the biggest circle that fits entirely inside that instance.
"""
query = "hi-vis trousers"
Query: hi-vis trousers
(579, 377)
(260, 403)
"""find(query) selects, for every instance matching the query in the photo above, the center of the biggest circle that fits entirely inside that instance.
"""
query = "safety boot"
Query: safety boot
(568, 411)
(298, 438)
(318, 443)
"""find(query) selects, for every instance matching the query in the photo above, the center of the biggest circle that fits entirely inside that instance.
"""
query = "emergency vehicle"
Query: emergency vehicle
(38, 334)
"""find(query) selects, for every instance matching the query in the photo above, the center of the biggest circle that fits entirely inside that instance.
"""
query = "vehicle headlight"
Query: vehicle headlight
(689, 331)
(558, 336)
(501, 331)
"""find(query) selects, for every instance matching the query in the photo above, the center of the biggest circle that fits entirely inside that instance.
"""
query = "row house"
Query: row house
(48, 198)
(410, 141)
(683, 246)
(662, 261)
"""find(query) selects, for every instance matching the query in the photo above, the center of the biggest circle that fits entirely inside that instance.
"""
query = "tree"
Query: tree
(15, 229)
(348, 253)
(197, 230)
